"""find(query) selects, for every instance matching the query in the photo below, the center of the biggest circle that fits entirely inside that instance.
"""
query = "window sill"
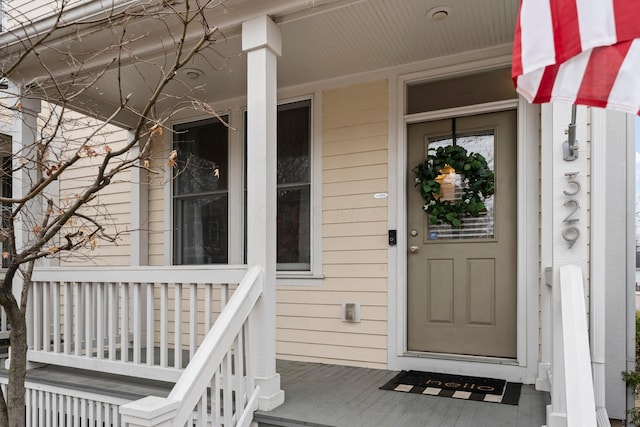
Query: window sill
(298, 279)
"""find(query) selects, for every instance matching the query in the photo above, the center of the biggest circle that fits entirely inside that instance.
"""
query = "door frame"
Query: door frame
(524, 367)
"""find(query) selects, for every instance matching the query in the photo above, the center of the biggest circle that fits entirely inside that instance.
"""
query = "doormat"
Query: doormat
(455, 386)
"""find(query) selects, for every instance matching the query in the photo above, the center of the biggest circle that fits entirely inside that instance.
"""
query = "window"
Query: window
(6, 180)
(200, 193)
(293, 187)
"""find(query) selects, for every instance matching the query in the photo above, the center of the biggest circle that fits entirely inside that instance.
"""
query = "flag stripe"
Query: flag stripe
(597, 23)
(579, 51)
(627, 13)
(566, 31)
(601, 73)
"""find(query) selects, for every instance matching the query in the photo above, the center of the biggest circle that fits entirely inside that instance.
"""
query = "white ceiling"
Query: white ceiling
(322, 39)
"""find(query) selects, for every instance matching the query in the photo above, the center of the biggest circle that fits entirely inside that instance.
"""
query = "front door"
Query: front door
(462, 281)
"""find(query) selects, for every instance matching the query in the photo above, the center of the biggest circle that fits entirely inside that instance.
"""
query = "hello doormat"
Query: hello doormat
(455, 386)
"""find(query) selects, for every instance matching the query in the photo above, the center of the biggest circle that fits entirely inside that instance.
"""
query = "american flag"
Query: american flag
(579, 51)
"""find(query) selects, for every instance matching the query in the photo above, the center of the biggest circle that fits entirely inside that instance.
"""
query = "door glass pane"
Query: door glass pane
(201, 230)
(481, 227)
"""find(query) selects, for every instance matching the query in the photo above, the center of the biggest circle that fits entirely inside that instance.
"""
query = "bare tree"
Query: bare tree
(38, 223)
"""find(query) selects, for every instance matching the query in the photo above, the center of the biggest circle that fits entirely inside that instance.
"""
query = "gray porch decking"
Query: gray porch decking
(323, 395)
(331, 395)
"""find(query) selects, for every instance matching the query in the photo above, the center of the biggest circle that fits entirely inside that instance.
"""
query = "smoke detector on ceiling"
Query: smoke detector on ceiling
(439, 13)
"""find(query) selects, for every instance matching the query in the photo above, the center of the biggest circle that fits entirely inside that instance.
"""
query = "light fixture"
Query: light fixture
(439, 13)
(192, 73)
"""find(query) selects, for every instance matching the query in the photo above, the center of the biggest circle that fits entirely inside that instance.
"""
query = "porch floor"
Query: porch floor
(331, 395)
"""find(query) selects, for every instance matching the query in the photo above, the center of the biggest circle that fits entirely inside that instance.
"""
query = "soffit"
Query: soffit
(321, 40)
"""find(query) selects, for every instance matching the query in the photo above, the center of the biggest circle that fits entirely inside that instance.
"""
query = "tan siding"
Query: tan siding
(354, 228)
(112, 206)
(157, 205)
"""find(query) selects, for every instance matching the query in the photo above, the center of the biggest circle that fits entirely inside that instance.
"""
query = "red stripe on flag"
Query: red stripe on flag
(516, 64)
(566, 31)
(601, 73)
(545, 88)
(627, 13)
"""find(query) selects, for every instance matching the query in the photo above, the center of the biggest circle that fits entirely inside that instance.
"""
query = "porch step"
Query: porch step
(265, 420)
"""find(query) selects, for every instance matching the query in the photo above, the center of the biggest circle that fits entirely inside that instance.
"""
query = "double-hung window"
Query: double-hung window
(201, 207)
(200, 193)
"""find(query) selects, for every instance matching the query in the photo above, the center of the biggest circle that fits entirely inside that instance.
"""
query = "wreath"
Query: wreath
(476, 184)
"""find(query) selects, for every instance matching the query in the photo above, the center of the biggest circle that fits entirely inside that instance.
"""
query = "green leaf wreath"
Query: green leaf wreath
(478, 184)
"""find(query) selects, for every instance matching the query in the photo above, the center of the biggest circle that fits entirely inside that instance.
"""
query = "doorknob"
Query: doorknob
(414, 249)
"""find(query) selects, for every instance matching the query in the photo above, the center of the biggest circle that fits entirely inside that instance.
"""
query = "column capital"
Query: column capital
(261, 32)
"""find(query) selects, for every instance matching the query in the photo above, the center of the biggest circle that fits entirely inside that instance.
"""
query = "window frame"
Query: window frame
(236, 190)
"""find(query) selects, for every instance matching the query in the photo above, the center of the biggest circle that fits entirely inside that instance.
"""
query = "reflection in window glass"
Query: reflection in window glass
(481, 227)
(200, 199)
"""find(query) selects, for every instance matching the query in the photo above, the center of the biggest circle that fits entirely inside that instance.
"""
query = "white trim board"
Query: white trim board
(524, 368)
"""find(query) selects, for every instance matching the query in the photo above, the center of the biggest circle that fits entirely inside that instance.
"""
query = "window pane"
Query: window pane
(483, 226)
(201, 230)
(294, 232)
(293, 143)
(202, 158)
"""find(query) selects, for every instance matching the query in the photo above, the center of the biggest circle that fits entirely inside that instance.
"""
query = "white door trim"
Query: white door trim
(524, 368)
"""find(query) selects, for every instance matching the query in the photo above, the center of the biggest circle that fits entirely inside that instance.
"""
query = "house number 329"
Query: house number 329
(571, 233)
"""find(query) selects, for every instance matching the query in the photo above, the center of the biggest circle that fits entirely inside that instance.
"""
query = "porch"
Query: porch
(316, 395)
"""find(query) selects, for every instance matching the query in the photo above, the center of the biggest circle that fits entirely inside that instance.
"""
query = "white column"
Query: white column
(261, 40)
(24, 138)
(568, 204)
(139, 213)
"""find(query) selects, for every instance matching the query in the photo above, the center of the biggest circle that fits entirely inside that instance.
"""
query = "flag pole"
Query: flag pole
(570, 147)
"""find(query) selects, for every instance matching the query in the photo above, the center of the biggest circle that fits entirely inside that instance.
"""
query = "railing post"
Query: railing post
(261, 40)
(151, 411)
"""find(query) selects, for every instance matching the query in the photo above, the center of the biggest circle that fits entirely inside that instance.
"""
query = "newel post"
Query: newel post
(151, 411)
(261, 40)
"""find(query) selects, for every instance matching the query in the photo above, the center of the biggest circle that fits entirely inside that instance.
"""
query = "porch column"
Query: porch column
(139, 212)
(24, 137)
(567, 240)
(261, 40)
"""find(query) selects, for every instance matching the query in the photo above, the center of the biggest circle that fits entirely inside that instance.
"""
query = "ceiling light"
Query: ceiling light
(192, 73)
(439, 13)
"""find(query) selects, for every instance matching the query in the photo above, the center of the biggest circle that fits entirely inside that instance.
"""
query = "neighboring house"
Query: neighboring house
(363, 278)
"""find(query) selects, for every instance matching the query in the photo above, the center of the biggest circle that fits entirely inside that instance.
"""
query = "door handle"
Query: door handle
(414, 249)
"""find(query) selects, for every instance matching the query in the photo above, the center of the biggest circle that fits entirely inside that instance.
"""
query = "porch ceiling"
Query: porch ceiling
(322, 39)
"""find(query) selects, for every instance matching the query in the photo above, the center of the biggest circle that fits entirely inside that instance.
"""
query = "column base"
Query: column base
(271, 396)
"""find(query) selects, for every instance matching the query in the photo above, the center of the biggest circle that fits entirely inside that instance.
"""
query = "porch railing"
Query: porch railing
(218, 387)
(137, 321)
(572, 393)
(51, 405)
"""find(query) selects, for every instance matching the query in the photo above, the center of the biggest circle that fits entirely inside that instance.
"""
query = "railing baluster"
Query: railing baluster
(88, 320)
(150, 325)
(100, 327)
(177, 336)
(227, 390)
(241, 398)
(208, 308)
(68, 316)
(215, 392)
(56, 317)
(137, 322)
(124, 334)
(37, 316)
(45, 315)
(77, 318)
(193, 319)
(164, 325)
(113, 319)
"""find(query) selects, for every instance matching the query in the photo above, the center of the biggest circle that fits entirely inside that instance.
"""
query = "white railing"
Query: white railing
(50, 405)
(572, 393)
(137, 321)
(218, 386)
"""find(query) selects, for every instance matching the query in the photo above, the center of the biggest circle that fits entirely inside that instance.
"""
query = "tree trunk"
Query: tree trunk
(17, 371)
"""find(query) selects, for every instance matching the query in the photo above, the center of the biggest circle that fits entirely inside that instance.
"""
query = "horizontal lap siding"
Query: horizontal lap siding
(354, 242)
(112, 205)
